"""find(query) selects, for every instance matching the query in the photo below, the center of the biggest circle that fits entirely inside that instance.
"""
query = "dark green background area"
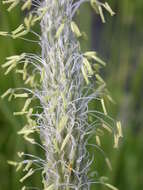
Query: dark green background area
(120, 42)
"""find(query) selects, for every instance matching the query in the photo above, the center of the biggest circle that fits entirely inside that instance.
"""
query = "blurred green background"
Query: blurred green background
(120, 42)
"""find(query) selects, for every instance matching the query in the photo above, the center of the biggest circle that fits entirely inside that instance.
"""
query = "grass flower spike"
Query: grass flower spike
(64, 80)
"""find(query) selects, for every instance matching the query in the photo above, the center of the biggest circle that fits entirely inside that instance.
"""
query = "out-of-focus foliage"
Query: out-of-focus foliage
(120, 41)
(10, 142)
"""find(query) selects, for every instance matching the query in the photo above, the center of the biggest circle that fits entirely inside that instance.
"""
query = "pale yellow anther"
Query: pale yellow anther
(12, 163)
(8, 92)
(30, 172)
(107, 128)
(13, 3)
(26, 130)
(10, 68)
(20, 154)
(65, 141)
(119, 129)
(108, 8)
(110, 186)
(62, 123)
(118, 134)
(20, 34)
(108, 163)
(101, 14)
(24, 95)
(60, 29)
(23, 188)
(99, 78)
(103, 106)
(85, 74)
(19, 113)
(88, 66)
(93, 55)
(98, 140)
(26, 5)
(19, 166)
(17, 30)
(51, 187)
(28, 21)
(26, 105)
(32, 141)
(28, 165)
(75, 29)
(19, 71)
(3, 33)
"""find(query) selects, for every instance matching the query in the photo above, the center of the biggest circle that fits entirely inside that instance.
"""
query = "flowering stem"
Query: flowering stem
(62, 81)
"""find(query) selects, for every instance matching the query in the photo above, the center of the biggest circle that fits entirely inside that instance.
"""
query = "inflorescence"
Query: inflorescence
(63, 80)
